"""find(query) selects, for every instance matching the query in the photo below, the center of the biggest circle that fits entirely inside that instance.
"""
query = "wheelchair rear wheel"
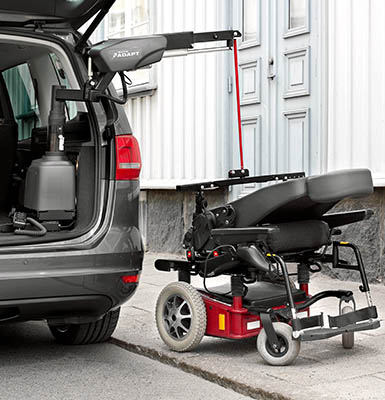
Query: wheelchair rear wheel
(289, 348)
(181, 316)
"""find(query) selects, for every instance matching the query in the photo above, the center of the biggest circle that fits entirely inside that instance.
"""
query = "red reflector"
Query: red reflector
(215, 253)
(128, 161)
(130, 278)
(189, 254)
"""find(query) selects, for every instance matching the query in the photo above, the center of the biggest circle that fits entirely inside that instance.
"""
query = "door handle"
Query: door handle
(271, 69)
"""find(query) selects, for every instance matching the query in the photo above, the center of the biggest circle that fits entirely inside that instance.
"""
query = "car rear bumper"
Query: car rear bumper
(96, 295)
(56, 310)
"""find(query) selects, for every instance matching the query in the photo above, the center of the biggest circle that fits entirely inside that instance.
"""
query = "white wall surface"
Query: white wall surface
(356, 94)
(183, 127)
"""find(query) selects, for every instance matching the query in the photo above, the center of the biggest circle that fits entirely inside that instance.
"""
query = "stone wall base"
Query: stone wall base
(368, 235)
(166, 215)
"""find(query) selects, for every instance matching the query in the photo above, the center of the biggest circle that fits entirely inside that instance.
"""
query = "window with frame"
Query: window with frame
(250, 22)
(131, 19)
(117, 20)
(297, 14)
(140, 25)
(297, 17)
(140, 17)
(128, 18)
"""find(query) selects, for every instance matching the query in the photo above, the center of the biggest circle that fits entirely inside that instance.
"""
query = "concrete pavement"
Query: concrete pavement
(323, 370)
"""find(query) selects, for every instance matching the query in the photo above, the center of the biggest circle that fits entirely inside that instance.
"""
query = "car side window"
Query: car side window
(22, 93)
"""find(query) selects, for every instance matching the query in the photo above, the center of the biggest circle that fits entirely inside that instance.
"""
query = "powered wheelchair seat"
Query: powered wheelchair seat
(252, 240)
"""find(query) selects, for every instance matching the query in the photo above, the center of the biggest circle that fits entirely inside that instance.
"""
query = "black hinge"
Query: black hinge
(39, 25)
(108, 133)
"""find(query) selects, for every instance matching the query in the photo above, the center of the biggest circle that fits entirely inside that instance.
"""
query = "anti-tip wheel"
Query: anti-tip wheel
(180, 316)
(289, 348)
(347, 337)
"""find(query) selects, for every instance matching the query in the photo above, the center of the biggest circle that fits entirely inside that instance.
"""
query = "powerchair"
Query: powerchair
(252, 240)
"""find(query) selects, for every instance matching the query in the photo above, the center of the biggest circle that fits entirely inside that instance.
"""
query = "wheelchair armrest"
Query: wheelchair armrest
(345, 218)
(242, 235)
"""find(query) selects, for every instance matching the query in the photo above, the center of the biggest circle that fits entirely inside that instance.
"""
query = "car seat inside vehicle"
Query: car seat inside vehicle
(8, 144)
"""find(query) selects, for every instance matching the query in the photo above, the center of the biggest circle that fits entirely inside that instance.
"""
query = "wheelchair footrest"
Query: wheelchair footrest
(324, 326)
(324, 333)
(353, 317)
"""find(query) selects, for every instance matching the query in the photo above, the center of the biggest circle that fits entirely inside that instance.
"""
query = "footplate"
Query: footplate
(324, 326)
(324, 333)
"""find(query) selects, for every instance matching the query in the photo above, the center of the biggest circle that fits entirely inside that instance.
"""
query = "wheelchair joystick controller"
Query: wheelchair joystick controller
(253, 256)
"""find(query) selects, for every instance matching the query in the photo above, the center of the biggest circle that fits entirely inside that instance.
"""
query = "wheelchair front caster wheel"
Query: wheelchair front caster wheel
(180, 316)
(289, 348)
(347, 337)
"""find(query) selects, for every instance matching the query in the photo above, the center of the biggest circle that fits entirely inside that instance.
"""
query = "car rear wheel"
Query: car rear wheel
(92, 332)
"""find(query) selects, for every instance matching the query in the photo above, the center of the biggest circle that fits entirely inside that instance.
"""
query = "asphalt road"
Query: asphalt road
(34, 366)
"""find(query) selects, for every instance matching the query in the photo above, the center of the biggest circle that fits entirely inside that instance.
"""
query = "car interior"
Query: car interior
(28, 72)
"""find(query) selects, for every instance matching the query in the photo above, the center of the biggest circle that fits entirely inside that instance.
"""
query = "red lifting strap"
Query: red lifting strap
(238, 101)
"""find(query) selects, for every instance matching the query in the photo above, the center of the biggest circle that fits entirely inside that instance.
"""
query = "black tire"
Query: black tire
(347, 337)
(92, 332)
(289, 347)
(181, 316)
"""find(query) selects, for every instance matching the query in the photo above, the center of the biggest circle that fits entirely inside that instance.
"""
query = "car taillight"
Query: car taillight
(128, 161)
(130, 278)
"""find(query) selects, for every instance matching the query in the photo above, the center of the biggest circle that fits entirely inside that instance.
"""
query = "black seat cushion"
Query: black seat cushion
(297, 236)
(268, 294)
(271, 294)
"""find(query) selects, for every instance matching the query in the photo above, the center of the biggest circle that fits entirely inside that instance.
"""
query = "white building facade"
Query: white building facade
(312, 97)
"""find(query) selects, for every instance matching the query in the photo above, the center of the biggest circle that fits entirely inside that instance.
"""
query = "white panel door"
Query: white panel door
(297, 85)
(280, 81)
